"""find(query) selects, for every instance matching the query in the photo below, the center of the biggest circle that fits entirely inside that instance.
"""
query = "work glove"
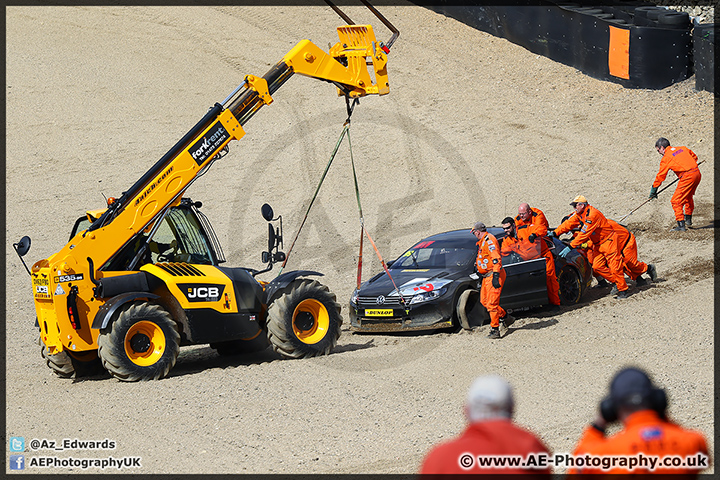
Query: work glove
(496, 280)
(532, 238)
(653, 193)
(564, 252)
(551, 233)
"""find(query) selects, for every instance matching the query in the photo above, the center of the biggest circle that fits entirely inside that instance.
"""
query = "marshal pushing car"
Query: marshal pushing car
(440, 286)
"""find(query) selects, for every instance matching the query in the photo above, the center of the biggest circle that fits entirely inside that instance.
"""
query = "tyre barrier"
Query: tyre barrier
(633, 43)
(704, 56)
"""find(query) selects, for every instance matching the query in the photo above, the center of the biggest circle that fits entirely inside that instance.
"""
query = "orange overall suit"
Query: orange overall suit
(538, 226)
(647, 434)
(628, 250)
(683, 162)
(489, 261)
(596, 228)
(632, 267)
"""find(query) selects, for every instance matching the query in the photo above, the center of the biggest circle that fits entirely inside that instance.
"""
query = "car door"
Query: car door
(525, 284)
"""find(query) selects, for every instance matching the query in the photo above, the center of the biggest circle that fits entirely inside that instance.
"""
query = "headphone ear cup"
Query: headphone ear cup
(658, 400)
(608, 410)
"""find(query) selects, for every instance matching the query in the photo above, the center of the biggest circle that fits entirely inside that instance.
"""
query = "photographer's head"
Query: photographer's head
(631, 390)
(489, 398)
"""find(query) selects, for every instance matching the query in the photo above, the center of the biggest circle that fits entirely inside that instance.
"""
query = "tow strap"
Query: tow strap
(346, 131)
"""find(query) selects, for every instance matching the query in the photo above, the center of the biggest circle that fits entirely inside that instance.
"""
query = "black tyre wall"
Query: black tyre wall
(659, 55)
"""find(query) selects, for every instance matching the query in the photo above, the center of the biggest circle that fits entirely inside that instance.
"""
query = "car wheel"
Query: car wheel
(304, 321)
(570, 286)
(142, 344)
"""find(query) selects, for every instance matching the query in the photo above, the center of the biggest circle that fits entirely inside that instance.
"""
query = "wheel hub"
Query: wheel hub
(140, 343)
(304, 321)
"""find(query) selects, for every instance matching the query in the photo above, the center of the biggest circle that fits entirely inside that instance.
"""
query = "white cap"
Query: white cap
(489, 397)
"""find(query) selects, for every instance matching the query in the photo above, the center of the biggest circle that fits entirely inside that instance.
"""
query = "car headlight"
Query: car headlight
(427, 296)
(354, 297)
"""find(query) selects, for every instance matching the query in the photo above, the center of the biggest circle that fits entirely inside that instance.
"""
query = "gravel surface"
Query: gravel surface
(473, 126)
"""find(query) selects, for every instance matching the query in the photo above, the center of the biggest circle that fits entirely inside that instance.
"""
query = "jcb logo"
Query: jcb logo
(202, 293)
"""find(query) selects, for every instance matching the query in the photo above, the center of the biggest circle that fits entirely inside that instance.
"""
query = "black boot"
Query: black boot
(652, 271)
(601, 283)
(688, 220)
(680, 227)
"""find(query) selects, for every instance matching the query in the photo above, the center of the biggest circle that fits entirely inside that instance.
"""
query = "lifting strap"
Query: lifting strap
(346, 126)
(346, 131)
(364, 230)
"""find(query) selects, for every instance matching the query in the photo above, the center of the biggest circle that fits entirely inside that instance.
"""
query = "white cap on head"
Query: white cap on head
(489, 397)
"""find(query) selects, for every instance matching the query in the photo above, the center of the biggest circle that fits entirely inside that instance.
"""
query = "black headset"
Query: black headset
(657, 399)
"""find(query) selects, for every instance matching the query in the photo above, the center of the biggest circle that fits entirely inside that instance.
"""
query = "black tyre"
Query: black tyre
(141, 344)
(304, 321)
(680, 20)
(67, 364)
(570, 286)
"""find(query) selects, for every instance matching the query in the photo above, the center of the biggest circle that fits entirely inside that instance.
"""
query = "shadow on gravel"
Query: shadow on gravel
(532, 326)
(200, 359)
(353, 347)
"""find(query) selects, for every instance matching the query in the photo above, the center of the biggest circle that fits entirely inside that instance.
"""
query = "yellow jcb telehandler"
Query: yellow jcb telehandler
(142, 277)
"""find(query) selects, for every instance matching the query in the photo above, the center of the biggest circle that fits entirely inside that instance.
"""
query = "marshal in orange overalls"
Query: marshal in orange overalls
(683, 162)
(632, 267)
(595, 227)
(489, 261)
(538, 225)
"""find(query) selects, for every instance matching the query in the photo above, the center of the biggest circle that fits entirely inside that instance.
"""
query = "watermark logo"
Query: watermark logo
(17, 444)
(17, 462)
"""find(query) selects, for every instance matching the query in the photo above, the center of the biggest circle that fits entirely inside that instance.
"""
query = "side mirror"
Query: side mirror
(265, 257)
(23, 246)
(271, 237)
(267, 212)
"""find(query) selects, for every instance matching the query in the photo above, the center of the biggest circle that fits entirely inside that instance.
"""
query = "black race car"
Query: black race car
(440, 286)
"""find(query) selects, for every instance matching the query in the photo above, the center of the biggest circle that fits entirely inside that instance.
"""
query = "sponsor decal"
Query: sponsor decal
(68, 278)
(210, 142)
(424, 244)
(41, 286)
(59, 290)
(651, 433)
(197, 292)
(379, 312)
(154, 185)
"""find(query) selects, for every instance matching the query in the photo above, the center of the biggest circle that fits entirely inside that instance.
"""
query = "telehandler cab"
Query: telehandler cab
(142, 277)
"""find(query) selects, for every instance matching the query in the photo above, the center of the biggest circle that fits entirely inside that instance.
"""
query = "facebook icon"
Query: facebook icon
(17, 462)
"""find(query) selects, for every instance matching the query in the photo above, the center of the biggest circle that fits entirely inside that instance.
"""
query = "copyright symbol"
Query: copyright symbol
(466, 460)
(35, 444)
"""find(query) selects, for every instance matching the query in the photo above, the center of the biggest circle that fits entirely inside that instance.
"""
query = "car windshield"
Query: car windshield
(431, 254)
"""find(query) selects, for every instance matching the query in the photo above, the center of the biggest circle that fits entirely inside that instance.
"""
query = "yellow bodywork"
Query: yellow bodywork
(207, 275)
